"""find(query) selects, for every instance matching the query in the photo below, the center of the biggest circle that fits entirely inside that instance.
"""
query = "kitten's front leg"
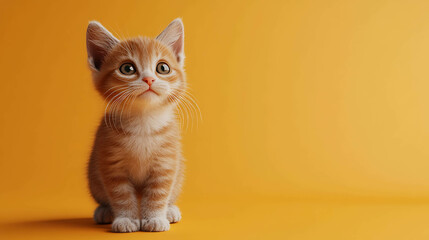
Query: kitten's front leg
(155, 198)
(124, 204)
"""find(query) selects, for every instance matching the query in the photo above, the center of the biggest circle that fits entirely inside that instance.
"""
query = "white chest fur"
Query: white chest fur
(141, 143)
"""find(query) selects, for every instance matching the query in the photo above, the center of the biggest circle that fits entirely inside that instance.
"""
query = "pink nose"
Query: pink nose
(148, 80)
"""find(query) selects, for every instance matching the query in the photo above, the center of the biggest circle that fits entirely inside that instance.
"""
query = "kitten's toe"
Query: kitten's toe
(103, 215)
(155, 225)
(123, 225)
(173, 214)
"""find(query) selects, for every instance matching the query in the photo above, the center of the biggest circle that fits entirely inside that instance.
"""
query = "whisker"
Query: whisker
(112, 107)
(187, 100)
(118, 103)
(185, 109)
(111, 102)
(124, 105)
(193, 99)
(190, 109)
(180, 110)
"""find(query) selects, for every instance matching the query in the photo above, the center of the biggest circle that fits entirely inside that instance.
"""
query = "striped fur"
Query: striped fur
(135, 170)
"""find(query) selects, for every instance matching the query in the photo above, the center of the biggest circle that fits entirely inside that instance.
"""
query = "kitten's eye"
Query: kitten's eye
(127, 69)
(162, 68)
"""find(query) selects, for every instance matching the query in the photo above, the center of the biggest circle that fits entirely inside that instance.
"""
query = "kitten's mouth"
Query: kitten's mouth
(150, 90)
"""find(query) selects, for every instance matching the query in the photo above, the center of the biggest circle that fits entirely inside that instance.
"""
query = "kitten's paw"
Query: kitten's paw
(155, 225)
(173, 214)
(103, 215)
(123, 225)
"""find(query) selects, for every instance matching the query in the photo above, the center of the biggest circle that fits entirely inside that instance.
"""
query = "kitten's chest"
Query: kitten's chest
(143, 140)
(141, 152)
(142, 146)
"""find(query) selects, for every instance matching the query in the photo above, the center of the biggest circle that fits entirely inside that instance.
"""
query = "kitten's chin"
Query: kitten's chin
(149, 99)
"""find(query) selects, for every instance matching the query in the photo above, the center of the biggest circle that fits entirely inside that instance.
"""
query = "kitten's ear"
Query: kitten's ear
(99, 42)
(173, 36)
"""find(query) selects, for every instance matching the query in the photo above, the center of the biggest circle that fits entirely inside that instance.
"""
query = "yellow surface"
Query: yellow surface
(315, 118)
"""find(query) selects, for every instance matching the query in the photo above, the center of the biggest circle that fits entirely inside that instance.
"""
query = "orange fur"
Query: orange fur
(135, 170)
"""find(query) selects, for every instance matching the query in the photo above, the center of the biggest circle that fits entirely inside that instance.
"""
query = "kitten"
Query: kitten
(135, 170)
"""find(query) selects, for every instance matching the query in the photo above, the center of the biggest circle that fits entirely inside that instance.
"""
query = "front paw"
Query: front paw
(103, 215)
(173, 214)
(123, 225)
(155, 225)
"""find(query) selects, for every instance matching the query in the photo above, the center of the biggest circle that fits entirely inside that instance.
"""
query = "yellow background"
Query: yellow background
(315, 117)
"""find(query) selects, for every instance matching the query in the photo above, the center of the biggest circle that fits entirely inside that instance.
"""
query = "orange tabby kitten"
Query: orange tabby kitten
(136, 168)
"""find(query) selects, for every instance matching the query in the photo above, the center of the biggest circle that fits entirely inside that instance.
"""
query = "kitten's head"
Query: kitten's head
(140, 72)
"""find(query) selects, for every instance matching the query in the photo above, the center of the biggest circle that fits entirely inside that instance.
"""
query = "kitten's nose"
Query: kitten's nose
(148, 80)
